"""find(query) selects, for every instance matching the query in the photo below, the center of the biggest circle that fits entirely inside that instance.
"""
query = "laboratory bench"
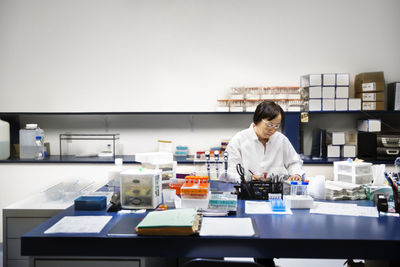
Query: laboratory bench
(301, 235)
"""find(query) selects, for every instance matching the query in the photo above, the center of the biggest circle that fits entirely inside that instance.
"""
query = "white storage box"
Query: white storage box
(343, 79)
(342, 92)
(369, 125)
(328, 104)
(329, 79)
(349, 151)
(315, 92)
(328, 92)
(353, 172)
(333, 151)
(168, 171)
(140, 189)
(354, 104)
(338, 138)
(314, 105)
(341, 104)
(195, 203)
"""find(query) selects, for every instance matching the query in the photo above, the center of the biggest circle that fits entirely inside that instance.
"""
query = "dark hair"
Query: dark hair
(267, 110)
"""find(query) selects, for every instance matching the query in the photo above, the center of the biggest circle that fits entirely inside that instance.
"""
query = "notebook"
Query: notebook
(170, 222)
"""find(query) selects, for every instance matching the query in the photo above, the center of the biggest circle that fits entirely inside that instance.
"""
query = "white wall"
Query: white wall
(158, 55)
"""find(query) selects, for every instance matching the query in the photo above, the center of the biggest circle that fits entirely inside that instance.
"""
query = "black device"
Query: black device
(382, 203)
(366, 145)
(393, 96)
(319, 148)
(388, 146)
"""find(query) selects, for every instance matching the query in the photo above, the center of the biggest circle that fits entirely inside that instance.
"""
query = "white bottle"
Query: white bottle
(114, 175)
(4, 140)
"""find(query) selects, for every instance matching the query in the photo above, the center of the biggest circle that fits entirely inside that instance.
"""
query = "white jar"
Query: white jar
(4, 140)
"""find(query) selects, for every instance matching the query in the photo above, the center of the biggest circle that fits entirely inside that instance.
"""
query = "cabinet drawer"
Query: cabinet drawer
(16, 227)
(14, 249)
(17, 263)
(87, 263)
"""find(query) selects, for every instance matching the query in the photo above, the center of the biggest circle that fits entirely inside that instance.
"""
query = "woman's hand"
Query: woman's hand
(255, 177)
(295, 177)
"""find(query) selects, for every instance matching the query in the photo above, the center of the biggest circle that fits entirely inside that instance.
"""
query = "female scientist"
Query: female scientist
(261, 149)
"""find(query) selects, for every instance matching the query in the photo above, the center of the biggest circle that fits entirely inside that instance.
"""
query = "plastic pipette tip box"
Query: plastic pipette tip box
(90, 203)
(277, 205)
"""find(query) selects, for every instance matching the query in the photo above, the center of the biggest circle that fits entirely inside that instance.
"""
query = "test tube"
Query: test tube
(304, 186)
(293, 188)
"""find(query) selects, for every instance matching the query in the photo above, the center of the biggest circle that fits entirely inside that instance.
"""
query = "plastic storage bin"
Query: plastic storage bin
(28, 147)
(4, 140)
(353, 172)
(140, 189)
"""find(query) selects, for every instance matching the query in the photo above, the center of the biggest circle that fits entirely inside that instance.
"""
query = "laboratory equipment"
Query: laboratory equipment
(29, 146)
(277, 205)
(195, 192)
(298, 198)
(164, 146)
(89, 145)
(207, 155)
(222, 201)
(216, 158)
(176, 184)
(237, 93)
(223, 105)
(4, 140)
(140, 189)
(169, 197)
(168, 171)
(258, 189)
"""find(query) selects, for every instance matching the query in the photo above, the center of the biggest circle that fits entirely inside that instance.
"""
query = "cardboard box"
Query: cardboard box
(373, 96)
(328, 104)
(329, 79)
(328, 92)
(369, 77)
(341, 104)
(314, 105)
(342, 79)
(369, 125)
(373, 105)
(333, 151)
(354, 104)
(342, 92)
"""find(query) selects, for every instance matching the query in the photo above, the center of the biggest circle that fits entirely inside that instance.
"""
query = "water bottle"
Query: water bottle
(28, 147)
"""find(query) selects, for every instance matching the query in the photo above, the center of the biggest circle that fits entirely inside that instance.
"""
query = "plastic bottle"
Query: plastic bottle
(293, 188)
(27, 141)
(4, 140)
(114, 175)
(39, 148)
(304, 186)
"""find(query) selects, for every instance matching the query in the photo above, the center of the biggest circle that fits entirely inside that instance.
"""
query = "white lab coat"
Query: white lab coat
(278, 157)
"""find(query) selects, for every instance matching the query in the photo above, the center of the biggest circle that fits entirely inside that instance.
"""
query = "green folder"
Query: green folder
(169, 222)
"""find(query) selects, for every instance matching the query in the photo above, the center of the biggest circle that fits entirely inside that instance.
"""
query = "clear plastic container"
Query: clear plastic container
(237, 106)
(253, 93)
(237, 93)
(4, 140)
(29, 149)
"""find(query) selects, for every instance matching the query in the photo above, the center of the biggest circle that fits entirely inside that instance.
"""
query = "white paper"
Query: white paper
(79, 224)
(343, 209)
(226, 227)
(263, 207)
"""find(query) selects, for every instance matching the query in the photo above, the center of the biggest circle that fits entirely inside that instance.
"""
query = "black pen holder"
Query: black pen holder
(258, 190)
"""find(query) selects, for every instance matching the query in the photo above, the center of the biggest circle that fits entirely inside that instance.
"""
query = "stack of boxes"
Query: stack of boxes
(343, 145)
(328, 92)
(370, 87)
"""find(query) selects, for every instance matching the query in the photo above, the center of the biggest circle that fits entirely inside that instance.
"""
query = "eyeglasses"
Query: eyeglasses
(271, 125)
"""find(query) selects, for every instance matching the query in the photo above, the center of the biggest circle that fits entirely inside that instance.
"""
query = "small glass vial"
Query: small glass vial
(293, 188)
